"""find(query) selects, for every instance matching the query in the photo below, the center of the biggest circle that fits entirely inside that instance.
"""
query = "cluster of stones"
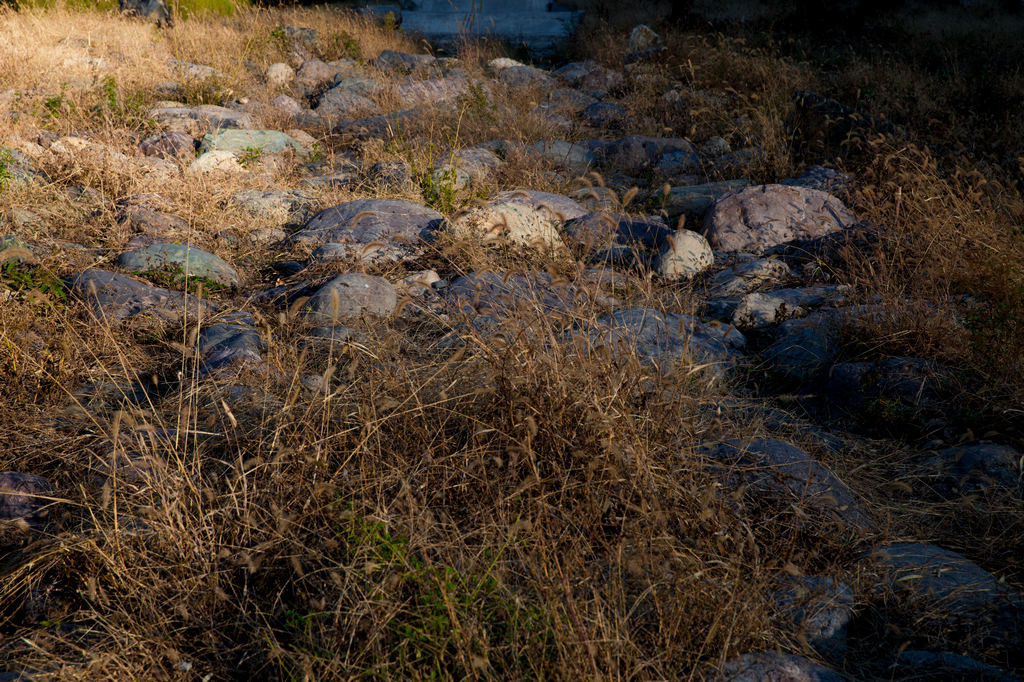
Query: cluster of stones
(757, 257)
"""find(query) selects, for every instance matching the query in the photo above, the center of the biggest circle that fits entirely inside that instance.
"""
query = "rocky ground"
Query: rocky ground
(210, 265)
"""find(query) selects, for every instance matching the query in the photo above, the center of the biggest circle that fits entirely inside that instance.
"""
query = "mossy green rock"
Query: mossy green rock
(187, 260)
(237, 140)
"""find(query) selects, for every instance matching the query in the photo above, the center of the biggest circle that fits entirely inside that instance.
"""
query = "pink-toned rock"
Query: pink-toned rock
(763, 216)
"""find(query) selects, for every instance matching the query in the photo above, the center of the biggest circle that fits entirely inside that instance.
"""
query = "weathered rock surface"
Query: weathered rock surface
(179, 258)
(367, 220)
(351, 295)
(113, 298)
(758, 218)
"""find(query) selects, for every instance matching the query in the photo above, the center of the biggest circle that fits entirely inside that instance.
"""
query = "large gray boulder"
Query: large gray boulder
(760, 217)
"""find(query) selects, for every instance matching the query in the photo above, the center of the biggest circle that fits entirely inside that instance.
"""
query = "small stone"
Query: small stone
(684, 255)
(279, 74)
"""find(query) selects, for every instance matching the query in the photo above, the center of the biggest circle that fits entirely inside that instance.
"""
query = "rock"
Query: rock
(315, 72)
(494, 66)
(821, 178)
(412, 92)
(982, 468)
(194, 72)
(13, 249)
(694, 201)
(597, 199)
(577, 156)
(522, 76)
(196, 120)
(396, 175)
(663, 338)
(478, 163)
(802, 353)
(508, 222)
(279, 75)
(287, 105)
(567, 101)
(342, 104)
(244, 141)
(590, 77)
(940, 590)
(418, 283)
(18, 166)
(368, 220)
(761, 309)
(892, 391)
(605, 114)
(145, 219)
(169, 145)
(373, 252)
(491, 293)
(557, 207)
(757, 218)
(384, 126)
(179, 259)
(825, 123)
(761, 667)
(772, 469)
(351, 295)
(230, 341)
(285, 207)
(745, 277)
(598, 230)
(675, 164)
(819, 608)
(222, 161)
(393, 62)
(114, 298)
(448, 178)
(684, 255)
(635, 153)
(22, 496)
(912, 664)
(643, 40)
(150, 10)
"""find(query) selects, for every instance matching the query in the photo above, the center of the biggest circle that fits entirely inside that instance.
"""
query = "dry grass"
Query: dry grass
(434, 499)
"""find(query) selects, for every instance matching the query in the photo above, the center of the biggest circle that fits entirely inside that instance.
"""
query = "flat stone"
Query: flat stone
(757, 218)
(351, 295)
(240, 141)
(113, 297)
(190, 261)
(787, 474)
(693, 201)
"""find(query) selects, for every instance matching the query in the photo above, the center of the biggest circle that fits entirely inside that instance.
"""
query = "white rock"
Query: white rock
(217, 161)
(509, 223)
(684, 255)
(279, 74)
